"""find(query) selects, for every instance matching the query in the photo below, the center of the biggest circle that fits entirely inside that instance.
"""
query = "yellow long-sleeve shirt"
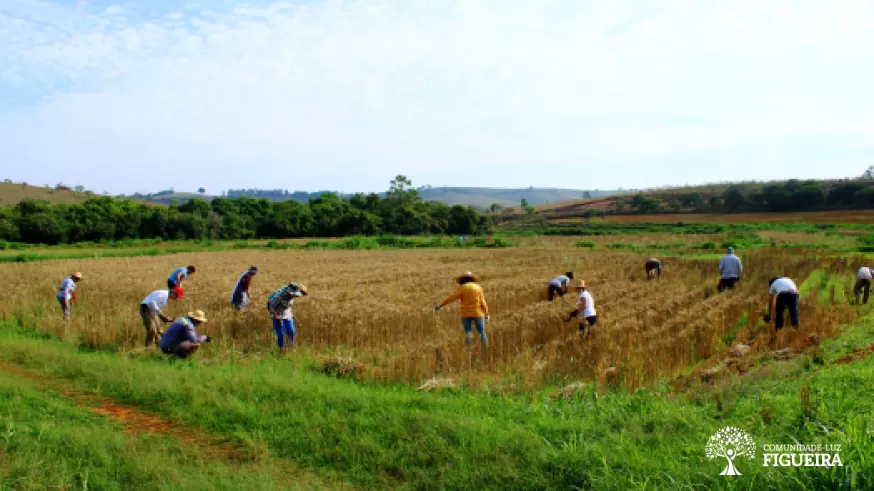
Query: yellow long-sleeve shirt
(473, 303)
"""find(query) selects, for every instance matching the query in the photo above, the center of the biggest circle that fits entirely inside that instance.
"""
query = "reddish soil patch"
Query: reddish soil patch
(856, 355)
(133, 419)
(849, 216)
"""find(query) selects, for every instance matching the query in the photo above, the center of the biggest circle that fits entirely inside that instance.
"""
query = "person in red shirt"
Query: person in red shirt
(240, 298)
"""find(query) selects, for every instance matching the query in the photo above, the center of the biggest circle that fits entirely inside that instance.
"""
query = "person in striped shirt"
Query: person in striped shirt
(240, 297)
(67, 293)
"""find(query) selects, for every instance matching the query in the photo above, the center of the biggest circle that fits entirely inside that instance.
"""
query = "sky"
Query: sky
(143, 95)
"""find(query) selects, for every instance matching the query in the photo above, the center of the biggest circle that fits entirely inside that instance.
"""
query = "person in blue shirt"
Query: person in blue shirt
(181, 338)
(178, 275)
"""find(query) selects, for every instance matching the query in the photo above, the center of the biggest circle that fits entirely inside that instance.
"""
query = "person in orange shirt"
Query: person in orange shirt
(474, 309)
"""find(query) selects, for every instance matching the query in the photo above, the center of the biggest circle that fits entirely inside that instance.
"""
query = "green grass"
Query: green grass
(388, 436)
(47, 442)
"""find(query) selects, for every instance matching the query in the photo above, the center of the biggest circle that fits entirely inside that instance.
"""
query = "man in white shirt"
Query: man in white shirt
(863, 284)
(67, 293)
(730, 269)
(784, 296)
(559, 285)
(151, 310)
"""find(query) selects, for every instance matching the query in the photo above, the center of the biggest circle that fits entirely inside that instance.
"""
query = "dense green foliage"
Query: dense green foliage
(401, 212)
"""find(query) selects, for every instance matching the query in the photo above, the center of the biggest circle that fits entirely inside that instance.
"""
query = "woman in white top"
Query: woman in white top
(863, 284)
(585, 308)
(784, 296)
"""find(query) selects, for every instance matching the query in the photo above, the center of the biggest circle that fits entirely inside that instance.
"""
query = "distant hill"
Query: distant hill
(13, 192)
(478, 197)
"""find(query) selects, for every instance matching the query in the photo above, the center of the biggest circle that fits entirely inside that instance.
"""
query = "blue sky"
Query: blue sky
(140, 95)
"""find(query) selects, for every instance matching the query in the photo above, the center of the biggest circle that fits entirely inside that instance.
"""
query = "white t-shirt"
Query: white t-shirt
(590, 304)
(782, 285)
(68, 286)
(864, 273)
(157, 300)
(560, 281)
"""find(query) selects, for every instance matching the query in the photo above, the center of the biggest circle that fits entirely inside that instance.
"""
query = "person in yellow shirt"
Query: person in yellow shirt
(474, 309)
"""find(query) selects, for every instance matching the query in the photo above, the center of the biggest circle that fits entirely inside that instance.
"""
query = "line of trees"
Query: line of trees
(402, 212)
(792, 195)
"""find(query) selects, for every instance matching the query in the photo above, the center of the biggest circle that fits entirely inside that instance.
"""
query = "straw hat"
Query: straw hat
(77, 275)
(197, 315)
(302, 288)
(581, 284)
(470, 275)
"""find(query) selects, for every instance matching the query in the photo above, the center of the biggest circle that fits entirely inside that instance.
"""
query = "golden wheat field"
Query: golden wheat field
(376, 307)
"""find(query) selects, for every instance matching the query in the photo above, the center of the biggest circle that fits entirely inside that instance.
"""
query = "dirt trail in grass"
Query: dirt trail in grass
(134, 420)
(857, 354)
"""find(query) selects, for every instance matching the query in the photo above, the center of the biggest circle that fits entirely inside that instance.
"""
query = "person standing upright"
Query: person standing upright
(178, 275)
(67, 293)
(474, 309)
(240, 296)
(730, 269)
(863, 284)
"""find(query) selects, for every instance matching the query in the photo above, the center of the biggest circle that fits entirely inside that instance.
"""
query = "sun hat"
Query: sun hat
(77, 275)
(302, 288)
(468, 274)
(581, 284)
(197, 315)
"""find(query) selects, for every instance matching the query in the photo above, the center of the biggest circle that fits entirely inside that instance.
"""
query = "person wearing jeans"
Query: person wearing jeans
(67, 293)
(474, 309)
(783, 296)
(279, 305)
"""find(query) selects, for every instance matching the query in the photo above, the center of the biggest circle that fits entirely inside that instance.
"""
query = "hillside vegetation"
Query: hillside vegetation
(12, 193)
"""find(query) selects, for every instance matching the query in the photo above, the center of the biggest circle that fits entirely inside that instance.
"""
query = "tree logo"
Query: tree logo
(730, 443)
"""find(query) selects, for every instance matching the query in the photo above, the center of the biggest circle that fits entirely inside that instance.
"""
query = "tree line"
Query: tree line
(401, 211)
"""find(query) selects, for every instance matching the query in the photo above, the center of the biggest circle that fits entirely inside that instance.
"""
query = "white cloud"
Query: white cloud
(347, 93)
(115, 9)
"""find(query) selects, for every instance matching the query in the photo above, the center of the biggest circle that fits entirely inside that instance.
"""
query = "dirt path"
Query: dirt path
(857, 354)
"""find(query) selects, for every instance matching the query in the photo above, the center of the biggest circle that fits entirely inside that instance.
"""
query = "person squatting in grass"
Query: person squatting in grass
(586, 308)
(240, 297)
(863, 284)
(67, 293)
(178, 275)
(151, 310)
(181, 338)
(653, 267)
(474, 309)
(559, 285)
(783, 296)
(730, 269)
(279, 304)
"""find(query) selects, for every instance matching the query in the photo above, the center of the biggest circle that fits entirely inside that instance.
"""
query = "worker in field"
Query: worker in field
(474, 309)
(67, 293)
(178, 275)
(863, 284)
(559, 285)
(730, 269)
(240, 296)
(279, 304)
(585, 308)
(783, 296)
(152, 312)
(653, 268)
(181, 338)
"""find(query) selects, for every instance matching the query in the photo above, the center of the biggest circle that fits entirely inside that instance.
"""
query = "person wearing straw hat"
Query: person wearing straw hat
(730, 269)
(474, 309)
(585, 308)
(151, 311)
(279, 304)
(67, 293)
(653, 267)
(181, 338)
(559, 285)
(240, 296)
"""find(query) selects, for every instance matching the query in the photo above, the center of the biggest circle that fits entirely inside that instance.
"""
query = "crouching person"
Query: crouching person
(181, 338)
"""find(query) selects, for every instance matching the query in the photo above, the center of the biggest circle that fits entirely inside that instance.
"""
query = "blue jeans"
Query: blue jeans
(283, 327)
(468, 323)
